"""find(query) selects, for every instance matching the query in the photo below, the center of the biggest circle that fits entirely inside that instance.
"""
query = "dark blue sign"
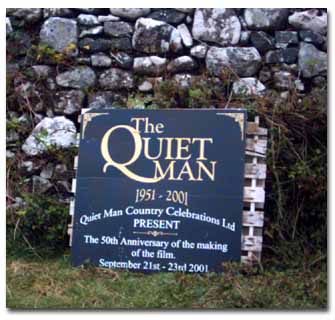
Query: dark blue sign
(160, 190)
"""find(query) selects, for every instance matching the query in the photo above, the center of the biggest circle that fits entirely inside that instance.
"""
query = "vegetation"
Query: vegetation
(41, 282)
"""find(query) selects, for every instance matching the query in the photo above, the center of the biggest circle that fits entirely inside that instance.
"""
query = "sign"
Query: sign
(160, 190)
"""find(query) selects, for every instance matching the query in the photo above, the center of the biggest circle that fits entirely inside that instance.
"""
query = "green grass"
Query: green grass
(34, 282)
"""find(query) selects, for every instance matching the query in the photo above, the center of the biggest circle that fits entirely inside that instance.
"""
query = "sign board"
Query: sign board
(160, 190)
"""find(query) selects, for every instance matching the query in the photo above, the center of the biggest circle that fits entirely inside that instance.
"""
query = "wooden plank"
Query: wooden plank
(256, 195)
(258, 147)
(72, 208)
(69, 232)
(255, 154)
(74, 185)
(84, 110)
(75, 163)
(77, 139)
(253, 219)
(252, 243)
(255, 171)
(254, 129)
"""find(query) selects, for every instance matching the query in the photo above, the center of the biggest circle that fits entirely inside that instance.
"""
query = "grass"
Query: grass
(52, 282)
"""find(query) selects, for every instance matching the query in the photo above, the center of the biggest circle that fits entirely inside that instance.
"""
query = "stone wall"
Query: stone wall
(62, 60)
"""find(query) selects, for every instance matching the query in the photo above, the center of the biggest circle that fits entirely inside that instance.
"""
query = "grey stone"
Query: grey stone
(185, 10)
(284, 95)
(39, 107)
(91, 10)
(130, 13)
(60, 170)
(216, 25)
(149, 84)
(57, 12)
(26, 166)
(12, 68)
(265, 74)
(21, 41)
(122, 44)
(9, 154)
(11, 136)
(245, 37)
(312, 37)
(41, 185)
(266, 19)
(185, 35)
(243, 61)
(24, 120)
(60, 34)
(115, 79)
(184, 80)
(42, 71)
(288, 55)
(153, 36)
(118, 28)
(51, 84)
(38, 118)
(69, 102)
(199, 51)
(145, 86)
(92, 31)
(9, 28)
(84, 61)
(77, 78)
(248, 87)
(283, 80)
(88, 20)
(17, 204)
(91, 45)
(299, 85)
(106, 100)
(170, 16)
(101, 60)
(58, 132)
(27, 90)
(262, 41)
(49, 112)
(47, 171)
(319, 81)
(122, 60)
(309, 20)
(182, 64)
(109, 17)
(285, 38)
(312, 61)
(30, 15)
(152, 66)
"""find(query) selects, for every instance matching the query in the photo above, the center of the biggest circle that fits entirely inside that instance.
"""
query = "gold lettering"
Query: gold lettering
(168, 148)
(202, 167)
(186, 169)
(181, 148)
(146, 148)
(202, 146)
(137, 122)
(174, 149)
(162, 174)
(123, 166)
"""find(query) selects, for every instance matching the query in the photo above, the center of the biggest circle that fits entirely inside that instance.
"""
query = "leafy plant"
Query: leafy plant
(43, 221)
